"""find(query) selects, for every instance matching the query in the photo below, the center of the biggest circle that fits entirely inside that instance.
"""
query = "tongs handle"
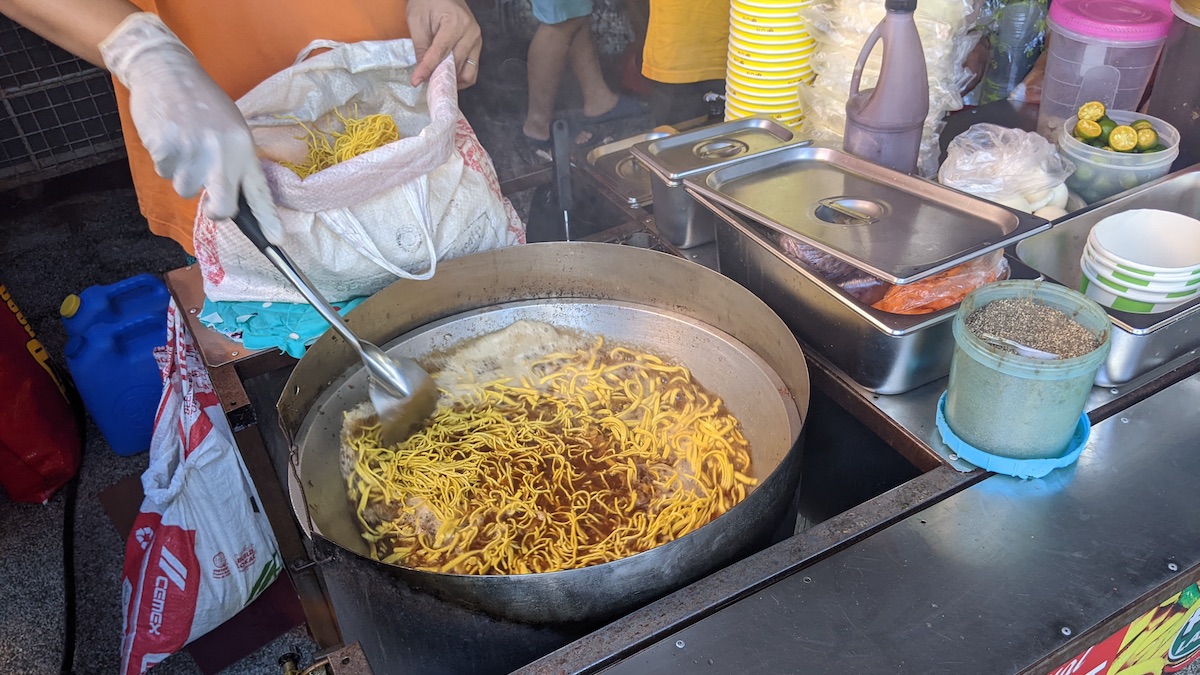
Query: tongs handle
(560, 135)
(248, 224)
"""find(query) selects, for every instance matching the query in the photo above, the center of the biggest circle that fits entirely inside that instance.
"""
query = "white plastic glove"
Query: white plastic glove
(195, 134)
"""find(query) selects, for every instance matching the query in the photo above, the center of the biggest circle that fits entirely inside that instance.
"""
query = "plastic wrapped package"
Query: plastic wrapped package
(841, 27)
(944, 289)
(864, 287)
(1014, 167)
(920, 297)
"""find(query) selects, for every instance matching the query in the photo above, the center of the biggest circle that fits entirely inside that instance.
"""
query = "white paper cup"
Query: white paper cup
(1150, 242)
(1103, 293)
(1120, 276)
(1122, 287)
(1163, 277)
(1102, 296)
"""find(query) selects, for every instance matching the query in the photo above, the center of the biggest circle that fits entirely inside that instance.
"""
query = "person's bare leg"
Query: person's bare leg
(597, 97)
(548, 53)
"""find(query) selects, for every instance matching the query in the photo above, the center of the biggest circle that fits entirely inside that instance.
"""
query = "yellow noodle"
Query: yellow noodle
(358, 136)
(613, 452)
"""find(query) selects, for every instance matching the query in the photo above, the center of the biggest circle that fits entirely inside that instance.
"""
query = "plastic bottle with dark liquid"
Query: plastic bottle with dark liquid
(884, 124)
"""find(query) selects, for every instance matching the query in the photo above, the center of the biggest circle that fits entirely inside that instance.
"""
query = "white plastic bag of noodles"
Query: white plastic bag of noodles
(389, 213)
(200, 549)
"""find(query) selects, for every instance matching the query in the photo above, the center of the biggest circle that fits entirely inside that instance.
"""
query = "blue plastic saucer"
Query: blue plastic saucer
(1020, 468)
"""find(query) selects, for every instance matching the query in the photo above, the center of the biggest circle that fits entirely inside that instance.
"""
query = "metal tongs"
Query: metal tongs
(404, 395)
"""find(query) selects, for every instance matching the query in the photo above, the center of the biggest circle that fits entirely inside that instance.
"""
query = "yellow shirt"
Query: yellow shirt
(240, 43)
(686, 41)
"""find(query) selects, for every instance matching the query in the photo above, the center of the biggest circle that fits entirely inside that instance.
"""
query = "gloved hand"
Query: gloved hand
(195, 134)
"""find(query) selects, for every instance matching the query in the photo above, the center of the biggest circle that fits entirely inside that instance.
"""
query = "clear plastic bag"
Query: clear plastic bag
(841, 27)
(944, 289)
(999, 163)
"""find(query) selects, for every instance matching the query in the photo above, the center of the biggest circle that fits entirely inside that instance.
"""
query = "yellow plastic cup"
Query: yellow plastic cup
(732, 112)
(780, 105)
(752, 73)
(784, 48)
(761, 87)
(780, 99)
(788, 109)
(770, 5)
(788, 112)
(750, 35)
(756, 86)
(753, 83)
(768, 62)
(776, 28)
(772, 39)
(791, 18)
(769, 11)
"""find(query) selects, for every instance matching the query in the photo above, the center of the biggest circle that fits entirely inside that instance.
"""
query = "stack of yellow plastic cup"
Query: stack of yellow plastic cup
(769, 49)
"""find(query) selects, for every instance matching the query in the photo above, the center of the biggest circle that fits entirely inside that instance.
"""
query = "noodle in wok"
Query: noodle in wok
(595, 455)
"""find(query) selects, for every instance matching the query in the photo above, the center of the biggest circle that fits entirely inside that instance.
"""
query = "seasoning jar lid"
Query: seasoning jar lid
(1111, 20)
(1187, 10)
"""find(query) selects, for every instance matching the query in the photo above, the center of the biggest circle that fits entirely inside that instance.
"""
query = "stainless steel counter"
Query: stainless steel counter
(955, 570)
(988, 580)
(906, 421)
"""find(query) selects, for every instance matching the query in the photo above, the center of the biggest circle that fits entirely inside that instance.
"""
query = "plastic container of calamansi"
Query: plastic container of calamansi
(1101, 173)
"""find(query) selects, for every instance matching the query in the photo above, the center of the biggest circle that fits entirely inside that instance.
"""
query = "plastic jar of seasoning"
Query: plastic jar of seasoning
(1176, 94)
(1098, 50)
(1015, 406)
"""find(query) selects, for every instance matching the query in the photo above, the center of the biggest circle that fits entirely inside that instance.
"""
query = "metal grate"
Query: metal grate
(57, 113)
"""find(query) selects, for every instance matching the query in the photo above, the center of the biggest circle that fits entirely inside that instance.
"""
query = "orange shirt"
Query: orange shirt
(240, 43)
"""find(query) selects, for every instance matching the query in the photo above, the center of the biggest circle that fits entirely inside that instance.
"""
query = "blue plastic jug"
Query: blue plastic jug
(112, 332)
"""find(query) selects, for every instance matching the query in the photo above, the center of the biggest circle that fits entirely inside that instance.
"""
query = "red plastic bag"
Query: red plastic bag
(944, 289)
(39, 435)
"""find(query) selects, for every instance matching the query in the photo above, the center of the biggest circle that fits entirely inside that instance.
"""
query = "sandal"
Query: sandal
(626, 107)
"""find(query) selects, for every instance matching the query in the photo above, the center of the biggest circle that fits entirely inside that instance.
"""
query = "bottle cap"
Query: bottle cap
(1111, 20)
(900, 5)
(69, 306)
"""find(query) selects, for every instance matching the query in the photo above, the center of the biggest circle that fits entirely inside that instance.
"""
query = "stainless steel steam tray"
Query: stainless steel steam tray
(615, 167)
(885, 353)
(1142, 344)
(709, 147)
(898, 227)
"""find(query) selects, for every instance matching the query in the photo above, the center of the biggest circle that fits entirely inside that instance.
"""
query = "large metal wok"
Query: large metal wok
(735, 345)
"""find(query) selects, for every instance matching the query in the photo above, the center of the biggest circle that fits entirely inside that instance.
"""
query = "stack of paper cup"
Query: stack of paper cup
(1144, 261)
(769, 49)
